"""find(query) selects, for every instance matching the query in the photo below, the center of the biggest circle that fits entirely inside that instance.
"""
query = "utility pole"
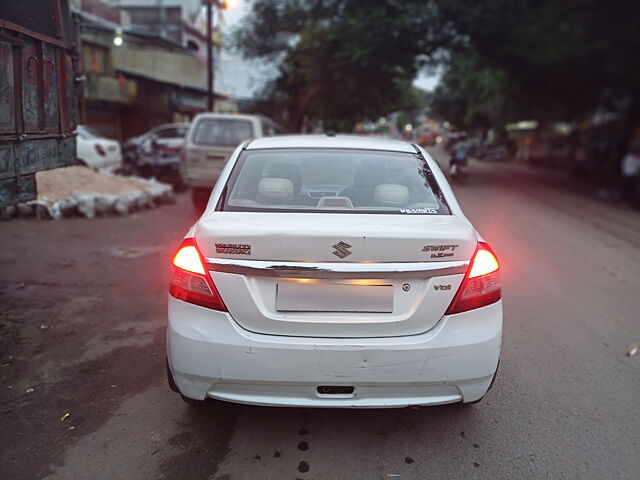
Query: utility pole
(210, 93)
(221, 5)
(162, 15)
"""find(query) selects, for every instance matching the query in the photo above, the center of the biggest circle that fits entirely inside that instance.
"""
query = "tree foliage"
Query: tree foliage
(339, 61)
(553, 60)
(472, 95)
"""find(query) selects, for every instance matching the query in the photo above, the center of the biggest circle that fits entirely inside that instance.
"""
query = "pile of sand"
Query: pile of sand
(80, 191)
(60, 183)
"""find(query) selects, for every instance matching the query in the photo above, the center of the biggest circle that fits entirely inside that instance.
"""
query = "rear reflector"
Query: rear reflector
(481, 284)
(189, 280)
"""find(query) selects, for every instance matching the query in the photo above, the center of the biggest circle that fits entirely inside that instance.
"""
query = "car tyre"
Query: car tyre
(145, 171)
(172, 382)
(192, 401)
(470, 404)
(174, 387)
(178, 185)
(200, 197)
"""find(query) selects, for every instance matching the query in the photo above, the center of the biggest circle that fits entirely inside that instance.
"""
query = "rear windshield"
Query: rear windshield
(226, 132)
(341, 181)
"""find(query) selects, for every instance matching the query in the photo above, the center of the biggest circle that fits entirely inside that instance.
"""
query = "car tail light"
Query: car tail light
(100, 150)
(481, 284)
(190, 281)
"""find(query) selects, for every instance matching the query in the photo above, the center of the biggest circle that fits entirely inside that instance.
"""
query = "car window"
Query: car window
(88, 132)
(224, 132)
(172, 132)
(351, 181)
(268, 130)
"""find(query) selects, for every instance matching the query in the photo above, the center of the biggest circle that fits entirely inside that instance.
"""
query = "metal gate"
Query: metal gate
(38, 103)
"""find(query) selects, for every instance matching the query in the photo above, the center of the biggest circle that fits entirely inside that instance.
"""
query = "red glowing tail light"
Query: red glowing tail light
(481, 284)
(190, 281)
(100, 150)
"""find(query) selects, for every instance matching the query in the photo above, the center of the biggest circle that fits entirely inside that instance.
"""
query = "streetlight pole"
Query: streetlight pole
(221, 5)
(210, 93)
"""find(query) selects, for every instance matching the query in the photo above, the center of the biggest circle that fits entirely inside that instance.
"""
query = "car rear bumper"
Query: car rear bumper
(211, 356)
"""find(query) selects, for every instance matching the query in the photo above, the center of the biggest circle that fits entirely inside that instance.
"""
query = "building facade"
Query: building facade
(137, 77)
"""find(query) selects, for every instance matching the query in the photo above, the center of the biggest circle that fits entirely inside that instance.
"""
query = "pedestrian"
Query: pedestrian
(631, 172)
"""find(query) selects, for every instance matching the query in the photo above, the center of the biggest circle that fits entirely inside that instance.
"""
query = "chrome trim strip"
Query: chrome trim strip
(261, 268)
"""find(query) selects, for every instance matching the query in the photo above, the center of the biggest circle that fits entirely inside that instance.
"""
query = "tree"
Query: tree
(555, 60)
(339, 61)
(472, 95)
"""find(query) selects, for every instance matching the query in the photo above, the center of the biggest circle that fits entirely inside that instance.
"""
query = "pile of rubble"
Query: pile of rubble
(80, 191)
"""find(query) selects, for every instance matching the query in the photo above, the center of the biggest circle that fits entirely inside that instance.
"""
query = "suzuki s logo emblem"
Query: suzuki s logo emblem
(341, 249)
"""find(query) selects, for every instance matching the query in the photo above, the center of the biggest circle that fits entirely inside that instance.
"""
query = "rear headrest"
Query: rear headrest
(391, 195)
(275, 190)
(290, 171)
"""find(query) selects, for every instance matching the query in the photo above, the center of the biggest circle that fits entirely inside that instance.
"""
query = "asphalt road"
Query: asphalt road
(82, 317)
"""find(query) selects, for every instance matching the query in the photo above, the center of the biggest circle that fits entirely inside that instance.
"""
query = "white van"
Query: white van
(211, 139)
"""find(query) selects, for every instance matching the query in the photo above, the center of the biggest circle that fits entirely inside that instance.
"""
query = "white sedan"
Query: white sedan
(333, 271)
(95, 150)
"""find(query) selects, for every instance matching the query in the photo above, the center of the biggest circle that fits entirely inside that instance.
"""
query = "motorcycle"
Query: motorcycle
(456, 170)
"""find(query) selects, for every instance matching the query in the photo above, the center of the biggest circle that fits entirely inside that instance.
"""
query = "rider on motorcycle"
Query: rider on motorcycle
(459, 156)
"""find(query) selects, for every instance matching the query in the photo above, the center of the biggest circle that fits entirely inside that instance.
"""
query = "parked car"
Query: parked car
(159, 154)
(212, 137)
(168, 133)
(333, 271)
(95, 150)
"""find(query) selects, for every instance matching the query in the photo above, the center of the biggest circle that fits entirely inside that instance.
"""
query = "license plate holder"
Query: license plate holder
(323, 297)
